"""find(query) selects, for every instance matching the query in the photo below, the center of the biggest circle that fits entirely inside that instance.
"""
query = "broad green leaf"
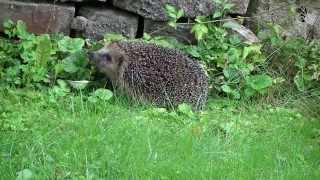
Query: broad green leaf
(231, 25)
(236, 94)
(193, 51)
(22, 32)
(75, 62)
(231, 73)
(71, 45)
(8, 24)
(172, 24)
(225, 88)
(249, 92)
(259, 82)
(103, 94)
(58, 68)
(100, 94)
(300, 62)
(253, 49)
(147, 36)
(25, 174)
(200, 30)
(200, 19)
(228, 6)
(217, 14)
(180, 13)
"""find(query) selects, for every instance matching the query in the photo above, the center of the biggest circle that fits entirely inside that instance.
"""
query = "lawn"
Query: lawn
(72, 138)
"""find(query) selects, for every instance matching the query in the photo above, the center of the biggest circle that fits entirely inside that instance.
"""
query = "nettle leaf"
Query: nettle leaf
(173, 15)
(200, 30)
(228, 6)
(300, 62)
(225, 88)
(100, 94)
(253, 49)
(231, 25)
(231, 73)
(69, 65)
(234, 55)
(9, 28)
(8, 24)
(170, 9)
(22, 32)
(200, 19)
(58, 68)
(75, 62)
(39, 74)
(217, 14)
(43, 50)
(103, 94)
(70, 45)
(172, 24)
(234, 92)
(249, 92)
(147, 36)
(259, 82)
(63, 85)
(180, 13)
(193, 51)
(300, 81)
(218, 1)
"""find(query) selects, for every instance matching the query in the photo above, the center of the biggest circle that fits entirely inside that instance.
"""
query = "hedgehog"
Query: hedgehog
(163, 76)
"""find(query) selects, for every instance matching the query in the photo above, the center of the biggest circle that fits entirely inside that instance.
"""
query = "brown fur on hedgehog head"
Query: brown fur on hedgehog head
(110, 61)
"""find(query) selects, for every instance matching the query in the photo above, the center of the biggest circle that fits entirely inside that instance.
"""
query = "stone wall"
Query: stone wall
(94, 18)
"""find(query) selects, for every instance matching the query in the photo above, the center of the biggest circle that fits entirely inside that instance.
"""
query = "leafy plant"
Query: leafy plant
(31, 60)
(296, 59)
(174, 14)
(235, 68)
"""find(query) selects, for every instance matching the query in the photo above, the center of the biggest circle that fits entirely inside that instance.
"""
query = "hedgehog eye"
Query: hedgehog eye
(107, 57)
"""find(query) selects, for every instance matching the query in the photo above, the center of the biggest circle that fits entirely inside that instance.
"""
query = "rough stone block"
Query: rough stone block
(93, 23)
(304, 23)
(39, 17)
(154, 10)
(81, 0)
(240, 6)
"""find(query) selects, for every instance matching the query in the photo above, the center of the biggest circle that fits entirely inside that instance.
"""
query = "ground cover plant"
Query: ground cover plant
(262, 120)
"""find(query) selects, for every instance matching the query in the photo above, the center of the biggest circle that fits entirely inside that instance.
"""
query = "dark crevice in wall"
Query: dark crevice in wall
(97, 4)
(140, 30)
(251, 11)
(2, 34)
(73, 32)
(183, 20)
(236, 15)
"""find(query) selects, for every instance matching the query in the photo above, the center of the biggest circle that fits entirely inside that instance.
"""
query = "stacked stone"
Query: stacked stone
(93, 18)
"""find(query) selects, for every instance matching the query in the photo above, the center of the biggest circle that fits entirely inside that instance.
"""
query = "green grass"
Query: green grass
(75, 139)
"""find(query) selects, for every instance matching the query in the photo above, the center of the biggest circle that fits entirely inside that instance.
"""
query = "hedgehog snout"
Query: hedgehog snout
(91, 56)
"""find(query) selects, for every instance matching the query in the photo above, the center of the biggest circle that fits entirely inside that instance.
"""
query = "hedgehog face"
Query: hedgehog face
(107, 61)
